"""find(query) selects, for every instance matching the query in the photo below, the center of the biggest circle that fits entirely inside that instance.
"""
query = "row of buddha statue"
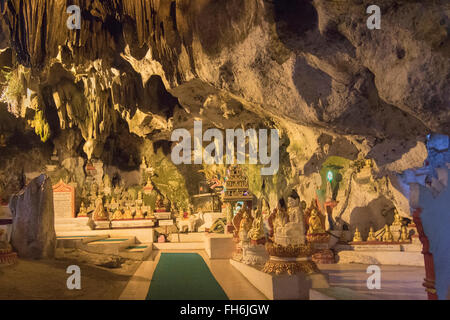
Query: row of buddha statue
(120, 209)
(386, 234)
(254, 229)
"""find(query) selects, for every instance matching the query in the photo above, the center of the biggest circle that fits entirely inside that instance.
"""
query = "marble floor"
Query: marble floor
(397, 282)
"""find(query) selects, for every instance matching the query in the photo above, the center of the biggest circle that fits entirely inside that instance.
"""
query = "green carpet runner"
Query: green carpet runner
(184, 276)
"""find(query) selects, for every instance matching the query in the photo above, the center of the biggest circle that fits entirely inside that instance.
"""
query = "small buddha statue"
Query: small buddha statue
(387, 236)
(237, 221)
(281, 218)
(144, 163)
(404, 235)
(99, 212)
(257, 230)
(166, 204)
(371, 236)
(315, 223)
(117, 215)
(83, 211)
(127, 214)
(2, 140)
(397, 219)
(139, 213)
(139, 195)
(150, 214)
(357, 236)
(265, 211)
(245, 226)
(131, 162)
(159, 203)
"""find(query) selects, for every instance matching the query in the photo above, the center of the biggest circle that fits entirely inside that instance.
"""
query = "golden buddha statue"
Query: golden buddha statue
(117, 215)
(387, 236)
(245, 225)
(237, 221)
(2, 140)
(397, 219)
(99, 212)
(315, 223)
(357, 236)
(83, 211)
(371, 236)
(127, 215)
(160, 204)
(265, 210)
(257, 230)
(150, 214)
(139, 213)
(404, 235)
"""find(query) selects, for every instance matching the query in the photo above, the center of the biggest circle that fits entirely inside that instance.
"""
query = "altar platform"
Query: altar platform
(404, 254)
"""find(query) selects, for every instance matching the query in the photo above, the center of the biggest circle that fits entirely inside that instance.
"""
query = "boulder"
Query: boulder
(33, 230)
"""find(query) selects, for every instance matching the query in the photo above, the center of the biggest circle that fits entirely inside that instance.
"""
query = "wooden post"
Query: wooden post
(430, 277)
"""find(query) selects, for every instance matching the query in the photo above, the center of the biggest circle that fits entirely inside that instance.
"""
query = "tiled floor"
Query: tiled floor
(397, 282)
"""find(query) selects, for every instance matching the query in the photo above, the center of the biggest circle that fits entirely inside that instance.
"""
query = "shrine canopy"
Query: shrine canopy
(236, 186)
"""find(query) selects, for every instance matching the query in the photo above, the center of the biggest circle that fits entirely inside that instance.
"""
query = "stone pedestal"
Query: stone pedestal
(102, 224)
(321, 243)
(163, 215)
(282, 287)
(219, 246)
(254, 254)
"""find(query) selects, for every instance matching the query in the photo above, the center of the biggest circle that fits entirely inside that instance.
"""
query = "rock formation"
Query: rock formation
(136, 70)
(33, 232)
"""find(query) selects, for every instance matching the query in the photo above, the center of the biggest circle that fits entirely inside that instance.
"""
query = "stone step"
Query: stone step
(187, 237)
(109, 245)
(76, 241)
(70, 227)
(138, 252)
(179, 246)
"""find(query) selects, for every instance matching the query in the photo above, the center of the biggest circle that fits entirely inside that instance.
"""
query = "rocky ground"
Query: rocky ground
(46, 279)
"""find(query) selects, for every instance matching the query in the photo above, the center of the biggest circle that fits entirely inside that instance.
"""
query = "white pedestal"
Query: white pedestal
(121, 224)
(163, 215)
(219, 246)
(102, 225)
(282, 287)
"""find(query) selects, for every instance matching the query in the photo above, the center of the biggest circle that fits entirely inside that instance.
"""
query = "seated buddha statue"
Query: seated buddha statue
(397, 219)
(387, 236)
(117, 215)
(245, 226)
(315, 223)
(404, 235)
(83, 211)
(127, 214)
(265, 211)
(139, 213)
(150, 214)
(371, 236)
(357, 237)
(99, 212)
(160, 204)
(256, 232)
(237, 222)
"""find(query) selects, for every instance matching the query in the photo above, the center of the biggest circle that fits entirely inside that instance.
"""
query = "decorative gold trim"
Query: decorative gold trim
(289, 251)
(291, 268)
